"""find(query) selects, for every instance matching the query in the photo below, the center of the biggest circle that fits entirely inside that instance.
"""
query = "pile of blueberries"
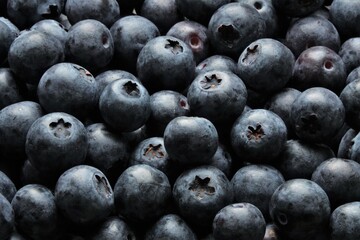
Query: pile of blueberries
(179, 119)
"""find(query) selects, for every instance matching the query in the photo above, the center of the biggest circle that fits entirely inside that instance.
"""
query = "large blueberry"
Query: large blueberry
(258, 136)
(218, 96)
(350, 53)
(350, 97)
(25, 13)
(89, 43)
(56, 142)
(113, 228)
(239, 221)
(312, 31)
(353, 148)
(319, 66)
(343, 13)
(299, 159)
(346, 143)
(142, 194)
(170, 226)
(11, 89)
(266, 65)
(8, 34)
(256, 184)
(165, 106)
(299, 208)
(7, 218)
(15, 122)
(166, 63)
(125, 105)
(340, 179)
(68, 87)
(353, 75)
(216, 62)
(32, 53)
(195, 35)
(344, 222)
(130, 35)
(317, 114)
(106, 12)
(191, 140)
(83, 195)
(202, 190)
(231, 28)
(35, 212)
(106, 151)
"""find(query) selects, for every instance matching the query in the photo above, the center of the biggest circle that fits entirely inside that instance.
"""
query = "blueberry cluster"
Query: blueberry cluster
(179, 119)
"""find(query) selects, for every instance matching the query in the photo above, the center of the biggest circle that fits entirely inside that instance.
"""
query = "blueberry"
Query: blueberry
(166, 63)
(281, 103)
(340, 179)
(256, 184)
(319, 66)
(78, 90)
(299, 159)
(296, 8)
(203, 190)
(343, 14)
(218, 96)
(170, 226)
(35, 212)
(222, 160)
(106, 150)
(344, 222)
(195, 35)
(15, 122)
(130, 35)
(125, 105)
(164, 14)
(239, 221)
(8, 34)
(346, 143)
(152, 152)
(199, 10)
(52, 27)
(25, 13)
(353, 149)
(90, 44)
(299, 208)
(32, 53)
(83, 195)
(231, 28)
(190, 140)
(7, 218)
(113, 228)
(317, 114)
(142, 194)
(7, 187)
(312, 31)
(56, 142)
(106, 12)
(351, 100)
(350, 53)
(216, 62)
(266, 65)
(11, 89)
(165, 106)
(258, 136)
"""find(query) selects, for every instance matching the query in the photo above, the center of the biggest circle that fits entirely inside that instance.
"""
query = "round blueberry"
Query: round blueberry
(83, 195)
(344, 222)
(7, 218)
